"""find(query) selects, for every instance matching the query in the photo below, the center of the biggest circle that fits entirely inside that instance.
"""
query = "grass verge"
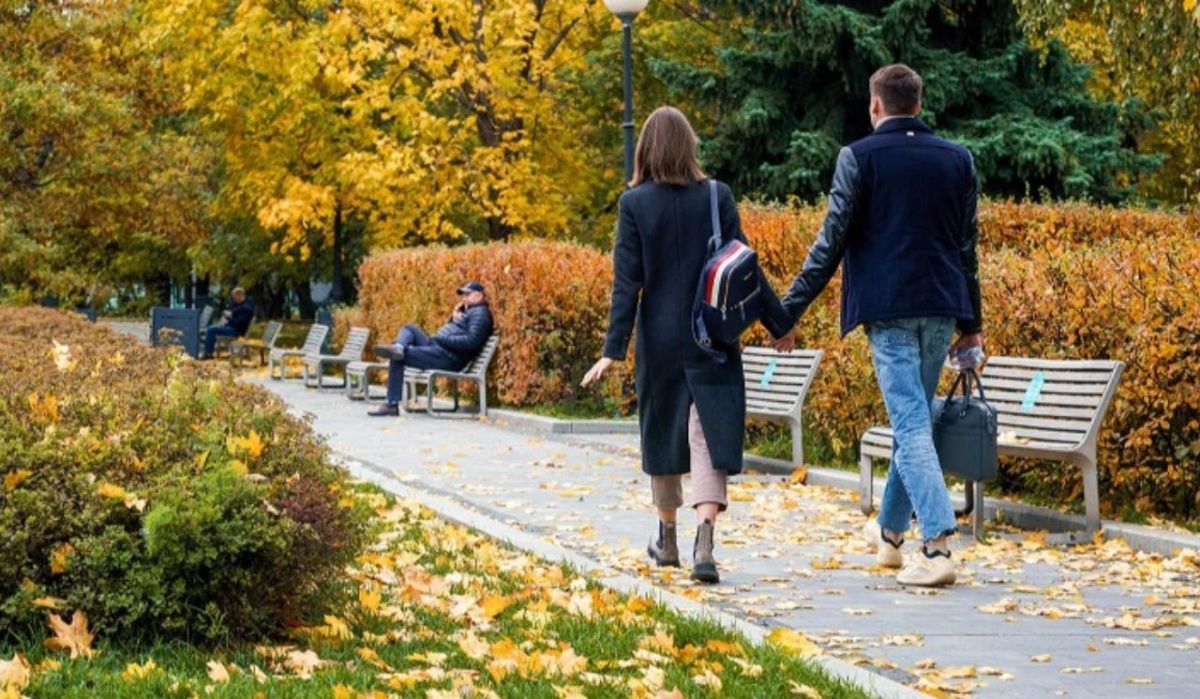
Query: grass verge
(437, 610)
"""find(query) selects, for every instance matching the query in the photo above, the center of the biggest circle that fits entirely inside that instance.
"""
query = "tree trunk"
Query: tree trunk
(338, 293)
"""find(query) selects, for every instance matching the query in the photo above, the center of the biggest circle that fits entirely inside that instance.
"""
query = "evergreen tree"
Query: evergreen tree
(791, 87)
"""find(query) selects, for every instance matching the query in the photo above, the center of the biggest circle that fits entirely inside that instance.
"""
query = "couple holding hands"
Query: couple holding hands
(901, 223)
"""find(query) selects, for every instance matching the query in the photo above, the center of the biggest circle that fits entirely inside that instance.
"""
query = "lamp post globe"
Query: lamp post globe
(627, 11)
(625, 7)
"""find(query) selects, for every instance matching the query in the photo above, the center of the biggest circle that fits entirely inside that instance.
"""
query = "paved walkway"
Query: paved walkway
(1026, 619)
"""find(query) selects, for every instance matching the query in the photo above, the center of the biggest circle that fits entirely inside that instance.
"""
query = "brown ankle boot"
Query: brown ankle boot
(665, 550)
(704, 566)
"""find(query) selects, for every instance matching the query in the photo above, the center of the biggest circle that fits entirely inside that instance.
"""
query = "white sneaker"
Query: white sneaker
(886, 555)
(928, 572)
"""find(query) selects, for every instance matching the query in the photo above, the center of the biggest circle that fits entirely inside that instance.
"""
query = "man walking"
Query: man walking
(902, 217)
(451, 348)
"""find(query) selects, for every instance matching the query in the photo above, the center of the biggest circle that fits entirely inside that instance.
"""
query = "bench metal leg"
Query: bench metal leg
(797, 444)
(866, 485)
(978, 523)
(1091, 493)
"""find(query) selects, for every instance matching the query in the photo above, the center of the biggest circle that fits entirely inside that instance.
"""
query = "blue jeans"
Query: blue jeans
(420, 352)
(908, 358)
(210, 337)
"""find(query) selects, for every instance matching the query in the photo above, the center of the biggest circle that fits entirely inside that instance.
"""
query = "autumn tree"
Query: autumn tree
(1144, 50)
(99, 181)
(405, 121)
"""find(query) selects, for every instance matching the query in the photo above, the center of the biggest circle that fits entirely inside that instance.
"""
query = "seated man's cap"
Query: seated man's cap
(470, 287)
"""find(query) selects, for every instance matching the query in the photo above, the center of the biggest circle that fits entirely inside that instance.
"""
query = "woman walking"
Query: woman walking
(691, 409)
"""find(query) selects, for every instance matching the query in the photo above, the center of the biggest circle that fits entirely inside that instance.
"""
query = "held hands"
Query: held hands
(596, 371)
(962, 349)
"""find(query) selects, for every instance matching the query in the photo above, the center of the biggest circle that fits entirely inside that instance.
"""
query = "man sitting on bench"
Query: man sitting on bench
(450, 349)
(236, 321)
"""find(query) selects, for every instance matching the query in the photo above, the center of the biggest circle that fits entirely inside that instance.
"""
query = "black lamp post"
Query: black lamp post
(627, 11)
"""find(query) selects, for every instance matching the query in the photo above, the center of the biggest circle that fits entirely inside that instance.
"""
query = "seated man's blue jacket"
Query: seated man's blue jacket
(466, 336)
(240, 317)
(902, 217)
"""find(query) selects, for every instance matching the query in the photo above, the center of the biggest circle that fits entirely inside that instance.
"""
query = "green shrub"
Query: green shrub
(157, 495)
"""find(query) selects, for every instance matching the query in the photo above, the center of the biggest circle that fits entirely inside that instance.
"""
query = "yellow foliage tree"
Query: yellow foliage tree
(424, 120)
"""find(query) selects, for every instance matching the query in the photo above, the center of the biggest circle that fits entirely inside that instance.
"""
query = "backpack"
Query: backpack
(729, 296)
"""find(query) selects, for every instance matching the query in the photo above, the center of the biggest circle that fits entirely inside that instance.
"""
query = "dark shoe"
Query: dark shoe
(390, 351)
(704, 567)
(665, 550)
(385, 410)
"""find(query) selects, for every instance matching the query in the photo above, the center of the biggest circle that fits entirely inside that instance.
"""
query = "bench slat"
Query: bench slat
(1039, 410)
(1050, 376)
(770, 352)
(1049, 399)
(1065, 426)
(750, 364)
(1068, 364)
(1072, 389)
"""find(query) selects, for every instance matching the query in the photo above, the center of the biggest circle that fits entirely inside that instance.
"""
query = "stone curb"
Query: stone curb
(450, 508)
(1022, 515)
(513, 419)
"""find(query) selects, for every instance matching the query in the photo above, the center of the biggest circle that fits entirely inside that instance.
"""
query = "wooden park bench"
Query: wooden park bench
(359, 374)
(352, 350)
(776, 385)
(240, 348)
(1047, 409)
(312, 345)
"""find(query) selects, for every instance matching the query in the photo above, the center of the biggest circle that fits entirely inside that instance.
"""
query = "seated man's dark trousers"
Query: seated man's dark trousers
(211, 334)
(420, 352)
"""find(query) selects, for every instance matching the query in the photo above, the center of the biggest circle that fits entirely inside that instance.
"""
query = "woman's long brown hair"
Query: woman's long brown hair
(666, 150)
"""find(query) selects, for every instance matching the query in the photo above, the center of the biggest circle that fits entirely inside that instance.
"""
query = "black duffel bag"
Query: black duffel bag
(965, 431)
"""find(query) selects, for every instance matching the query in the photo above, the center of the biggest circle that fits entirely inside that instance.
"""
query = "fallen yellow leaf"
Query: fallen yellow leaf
(799, 476)
(16, 478)
(369, 598)
(74, 637)
(217, 671)
(793, 642)
(59, 557)
(494, 605)
(15, 673)
(134, 671)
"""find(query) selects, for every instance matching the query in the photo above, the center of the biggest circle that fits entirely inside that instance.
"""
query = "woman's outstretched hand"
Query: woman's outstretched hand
(596, 371)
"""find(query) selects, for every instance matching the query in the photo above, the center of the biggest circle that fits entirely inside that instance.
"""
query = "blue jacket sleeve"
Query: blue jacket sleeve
(826, 253)
(474, 337)
(627, 284)
(969, 256)
(241, 316)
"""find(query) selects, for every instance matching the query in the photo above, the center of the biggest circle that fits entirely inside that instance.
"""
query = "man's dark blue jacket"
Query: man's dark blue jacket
(240, 317)
(464, 337)
(902, 216)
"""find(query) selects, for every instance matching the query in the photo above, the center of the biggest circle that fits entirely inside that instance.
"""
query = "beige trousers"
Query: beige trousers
(708, 484)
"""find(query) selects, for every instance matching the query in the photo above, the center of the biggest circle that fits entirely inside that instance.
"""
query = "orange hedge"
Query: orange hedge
(549, 301)
(1067, 281)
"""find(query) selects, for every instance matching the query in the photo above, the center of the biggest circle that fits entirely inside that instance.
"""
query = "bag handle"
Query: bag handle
(965, 378)
(714, 242)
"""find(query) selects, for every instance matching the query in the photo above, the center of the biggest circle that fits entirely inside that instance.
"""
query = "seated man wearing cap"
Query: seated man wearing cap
(451, 348)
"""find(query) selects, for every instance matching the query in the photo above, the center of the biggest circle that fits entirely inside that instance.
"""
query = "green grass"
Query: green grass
(536, 616)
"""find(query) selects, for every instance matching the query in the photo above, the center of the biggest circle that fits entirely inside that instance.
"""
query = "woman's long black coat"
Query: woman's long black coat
(662, 245)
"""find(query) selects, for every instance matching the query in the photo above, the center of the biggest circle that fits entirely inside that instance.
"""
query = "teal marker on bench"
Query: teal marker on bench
(1033, 391)
(765, 381)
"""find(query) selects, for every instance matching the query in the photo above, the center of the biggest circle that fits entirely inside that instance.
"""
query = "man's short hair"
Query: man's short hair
(898, 87)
